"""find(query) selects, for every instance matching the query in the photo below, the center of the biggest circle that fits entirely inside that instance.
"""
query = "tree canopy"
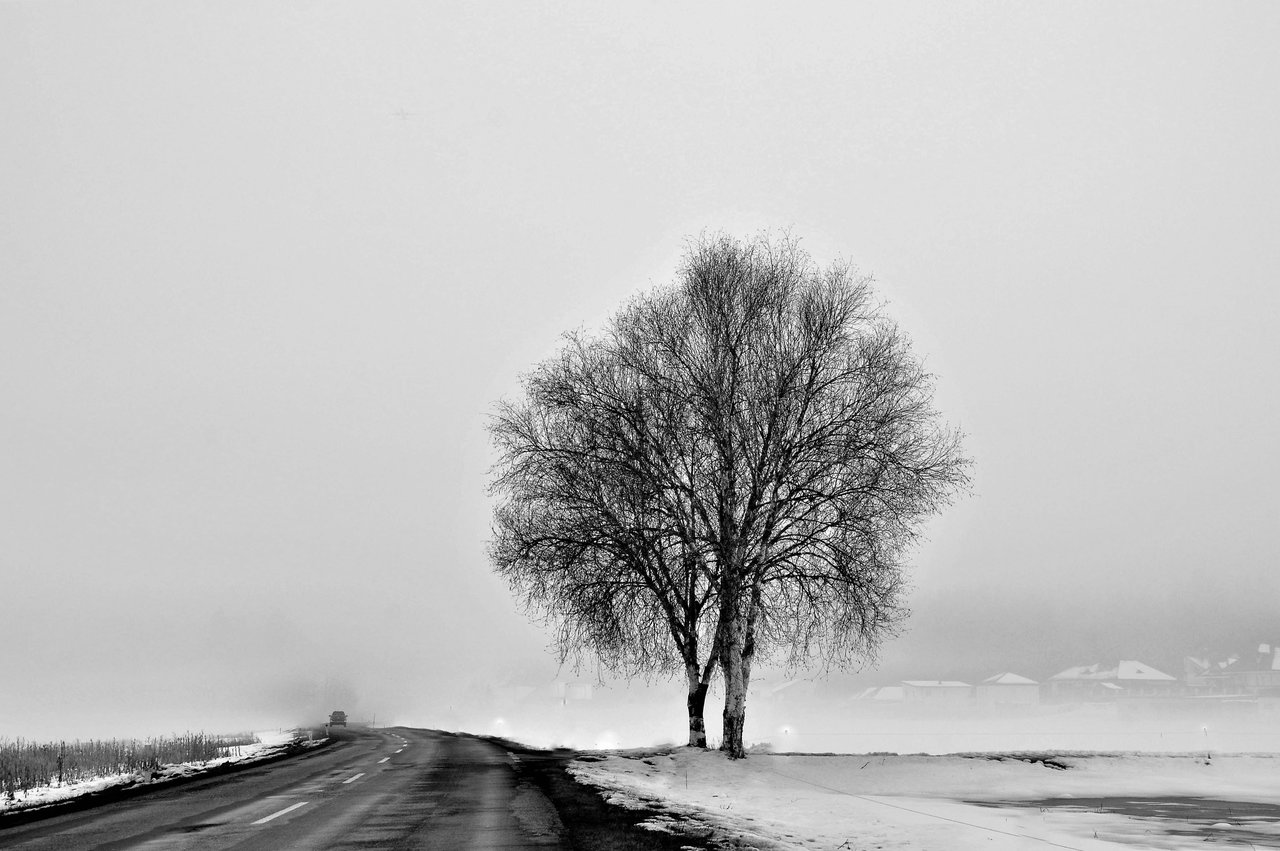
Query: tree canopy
(734, 468)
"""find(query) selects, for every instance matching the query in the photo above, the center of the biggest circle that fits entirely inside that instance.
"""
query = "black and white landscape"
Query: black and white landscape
(917, 363)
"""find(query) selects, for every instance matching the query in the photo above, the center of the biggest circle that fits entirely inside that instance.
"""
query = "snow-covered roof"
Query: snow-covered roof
(935, 683)
(889, 693)
(1126, 670)
(1008, 679)
(1131, 670)
(1086, 672)
(1265, 658)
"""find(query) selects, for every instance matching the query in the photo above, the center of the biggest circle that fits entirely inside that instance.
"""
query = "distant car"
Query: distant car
(336, 717)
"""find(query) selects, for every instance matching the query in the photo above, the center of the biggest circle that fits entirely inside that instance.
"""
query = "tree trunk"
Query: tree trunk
(697, 708)
(735, 712)
(735, 690)
(739, 650)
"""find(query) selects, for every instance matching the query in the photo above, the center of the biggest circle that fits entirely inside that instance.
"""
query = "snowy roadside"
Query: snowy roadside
(270, 744)
(933, 802)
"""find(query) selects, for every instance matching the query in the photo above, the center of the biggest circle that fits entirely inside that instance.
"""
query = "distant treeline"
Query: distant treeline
(26, 765)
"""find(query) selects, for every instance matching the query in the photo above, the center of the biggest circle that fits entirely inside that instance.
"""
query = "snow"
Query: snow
(270, 743)
(1126, 669)
(1008, 679)
(776, 801)
(1132, 670)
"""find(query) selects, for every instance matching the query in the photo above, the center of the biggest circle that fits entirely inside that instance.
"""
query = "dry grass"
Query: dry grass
(26, 765)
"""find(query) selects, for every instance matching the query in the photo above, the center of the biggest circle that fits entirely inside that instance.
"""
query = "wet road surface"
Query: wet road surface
(385, 789)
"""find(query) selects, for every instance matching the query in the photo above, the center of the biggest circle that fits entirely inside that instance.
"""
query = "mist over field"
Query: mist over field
(265, 269)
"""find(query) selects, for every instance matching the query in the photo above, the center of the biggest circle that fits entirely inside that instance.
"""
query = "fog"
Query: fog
(264, 268)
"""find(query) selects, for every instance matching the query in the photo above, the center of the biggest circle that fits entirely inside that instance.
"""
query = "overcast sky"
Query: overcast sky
(264, 268)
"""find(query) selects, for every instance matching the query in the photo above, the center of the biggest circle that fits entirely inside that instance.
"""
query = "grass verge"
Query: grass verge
(592, 823)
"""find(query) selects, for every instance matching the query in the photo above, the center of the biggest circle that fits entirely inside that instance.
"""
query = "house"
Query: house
(1262, 670)
(1248, 673)
(1208, 674)
(1139, 680)
(937, 692)
(1007, 689)
(1098, 682)
(1080, 684)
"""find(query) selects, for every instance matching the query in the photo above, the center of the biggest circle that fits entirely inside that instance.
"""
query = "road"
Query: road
(392, 789)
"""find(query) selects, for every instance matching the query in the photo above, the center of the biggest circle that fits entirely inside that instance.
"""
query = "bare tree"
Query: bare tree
(759, 432)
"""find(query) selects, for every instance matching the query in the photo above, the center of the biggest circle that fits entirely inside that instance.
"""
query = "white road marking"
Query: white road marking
(384, 759)
(280, 813)
(353, 779)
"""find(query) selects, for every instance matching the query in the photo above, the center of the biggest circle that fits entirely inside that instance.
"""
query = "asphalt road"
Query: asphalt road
(384, 789)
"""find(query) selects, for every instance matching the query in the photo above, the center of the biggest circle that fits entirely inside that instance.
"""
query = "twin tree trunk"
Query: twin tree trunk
(735, 707)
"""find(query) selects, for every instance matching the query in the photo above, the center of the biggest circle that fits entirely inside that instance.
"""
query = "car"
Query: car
(336, 717)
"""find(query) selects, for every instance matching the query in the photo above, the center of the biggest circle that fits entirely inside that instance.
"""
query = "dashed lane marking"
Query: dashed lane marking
(384, 759)
(279, 813)
(353, 779)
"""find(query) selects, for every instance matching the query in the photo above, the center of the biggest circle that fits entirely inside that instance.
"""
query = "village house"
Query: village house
(1245, 674)
(1101, 683)
(937, 692)
(1007, 689)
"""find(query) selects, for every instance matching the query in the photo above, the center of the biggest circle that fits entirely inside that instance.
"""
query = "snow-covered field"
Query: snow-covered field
(799, 801)
(269, 744)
